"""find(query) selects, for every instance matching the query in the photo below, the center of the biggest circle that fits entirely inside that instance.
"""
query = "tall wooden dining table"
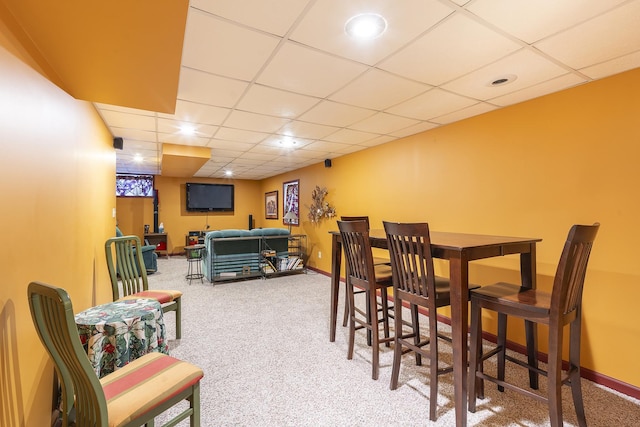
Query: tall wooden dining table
(458, 249)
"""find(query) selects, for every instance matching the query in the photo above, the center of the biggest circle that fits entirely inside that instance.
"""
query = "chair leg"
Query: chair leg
(531, 332)
(397, 349)
(385, 314)
(368, 312)
(433, 369)
(574, 369)
(475, 356)
(554, 377)
(178, 318)
(346, 302)
(352, 321)
(375, 336)
(415, 323)
(194, 420)
(502, 345)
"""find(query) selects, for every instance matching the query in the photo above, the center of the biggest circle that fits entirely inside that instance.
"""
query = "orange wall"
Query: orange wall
(532, 169)
(134, 212)
(56, 185)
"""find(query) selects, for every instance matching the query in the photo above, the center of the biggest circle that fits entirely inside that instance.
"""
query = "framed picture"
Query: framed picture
(290, 198)
(271, 205)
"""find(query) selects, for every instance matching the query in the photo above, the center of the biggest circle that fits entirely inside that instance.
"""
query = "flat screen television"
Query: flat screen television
(210, 197)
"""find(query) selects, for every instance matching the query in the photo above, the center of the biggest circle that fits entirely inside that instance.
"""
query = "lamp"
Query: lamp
(290, 217)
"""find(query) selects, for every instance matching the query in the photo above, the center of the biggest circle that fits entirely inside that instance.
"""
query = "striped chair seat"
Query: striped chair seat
(145, 384)
(162, 296)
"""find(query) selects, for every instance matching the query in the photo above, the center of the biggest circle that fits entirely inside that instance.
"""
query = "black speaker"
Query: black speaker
(327, 163)
(118, 143)
(250, 222)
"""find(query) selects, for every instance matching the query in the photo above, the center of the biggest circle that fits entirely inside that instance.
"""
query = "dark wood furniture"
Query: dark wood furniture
(556, 309)
(459, 249)
(362, 273)
(376, 261)
(160, 239)
(415, 282)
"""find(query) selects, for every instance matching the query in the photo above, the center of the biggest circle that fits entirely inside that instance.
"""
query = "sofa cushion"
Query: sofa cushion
(269, 232)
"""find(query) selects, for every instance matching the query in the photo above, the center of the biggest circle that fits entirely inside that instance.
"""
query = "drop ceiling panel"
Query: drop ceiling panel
(384, 123)
(300, 69)
(432, 104)
(530, 68)
(198, 86)
(323, 26)
(615, 66)
(334, 114)
(350, 136)
(244, 120)
(207, 47)
(129, 121)
(239, 135)
(193, 112)
(378, 89)
(275, 102)
(534, 20)
(603, 38)
(455, 47)
(559, 83)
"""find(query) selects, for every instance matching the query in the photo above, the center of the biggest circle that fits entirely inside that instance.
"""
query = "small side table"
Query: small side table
(194, 259)
(116, 333)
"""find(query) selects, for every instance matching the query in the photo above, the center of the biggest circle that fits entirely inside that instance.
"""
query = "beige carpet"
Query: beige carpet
(265, 351)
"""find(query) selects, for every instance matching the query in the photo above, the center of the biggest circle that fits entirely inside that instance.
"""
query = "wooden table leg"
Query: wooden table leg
(336, 260)
(528, 275)
(459, 279)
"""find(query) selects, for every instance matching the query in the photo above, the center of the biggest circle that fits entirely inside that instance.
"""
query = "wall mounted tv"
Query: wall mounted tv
(209, 197)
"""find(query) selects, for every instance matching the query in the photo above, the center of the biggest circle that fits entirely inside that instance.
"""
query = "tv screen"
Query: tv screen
(209, 197)
(134, 185)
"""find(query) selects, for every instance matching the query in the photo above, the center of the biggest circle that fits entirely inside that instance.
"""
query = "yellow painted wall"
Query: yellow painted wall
(531, 170)
(134, 212)
(57, 170)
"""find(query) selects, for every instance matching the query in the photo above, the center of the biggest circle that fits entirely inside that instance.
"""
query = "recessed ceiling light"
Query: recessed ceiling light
(228, 173)
(187, 130)
(287, 141)
(503, 80)
(137, 158)
(366, 26)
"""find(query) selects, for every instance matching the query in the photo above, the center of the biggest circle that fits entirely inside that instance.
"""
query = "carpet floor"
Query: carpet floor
(264, 348)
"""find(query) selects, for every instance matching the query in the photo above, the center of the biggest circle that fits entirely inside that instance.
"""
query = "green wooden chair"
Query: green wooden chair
(132, 395)
(128, 266)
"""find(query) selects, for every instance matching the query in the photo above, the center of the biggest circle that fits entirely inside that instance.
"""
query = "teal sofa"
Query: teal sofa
(235, 254)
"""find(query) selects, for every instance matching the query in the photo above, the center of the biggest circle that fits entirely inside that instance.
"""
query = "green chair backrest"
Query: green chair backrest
(125, 262)
(53, 318)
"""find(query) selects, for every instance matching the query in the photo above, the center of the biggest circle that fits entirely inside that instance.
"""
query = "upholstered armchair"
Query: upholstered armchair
(149, 255)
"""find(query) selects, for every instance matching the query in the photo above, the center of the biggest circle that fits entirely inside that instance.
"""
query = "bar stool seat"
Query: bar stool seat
(194, 255)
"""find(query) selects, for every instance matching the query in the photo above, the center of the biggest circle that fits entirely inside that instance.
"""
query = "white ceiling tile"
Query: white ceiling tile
(614, 66)
(334, 114)
(412, 130)
(197, 113)
(177, 139)
(140, 135)
(378, 90)
(529, 67)
(218, 144)
(127, 110)
(252, 121)
(240, 135)
(383, 139)
(453, 48)
(128, 120)
(300, 129)
(207, 47)
(323, 26)
(274, 17)
(169, 126)
(350, 136)
(559, 83)
(198, 86)
(474, 110)
(300, 69)
(534, 20)
(384, 123)
(434, 103)
(606, 37)
(275, 102)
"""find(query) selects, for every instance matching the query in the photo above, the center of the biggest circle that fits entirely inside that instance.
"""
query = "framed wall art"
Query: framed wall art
(271, 205)
(290, 199)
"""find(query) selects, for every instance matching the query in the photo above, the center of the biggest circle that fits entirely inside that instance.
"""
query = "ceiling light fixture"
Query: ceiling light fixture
(228, 173)
(137, 158)
(366, 26)
(503, 80)
(287, 141)
(187, 130)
